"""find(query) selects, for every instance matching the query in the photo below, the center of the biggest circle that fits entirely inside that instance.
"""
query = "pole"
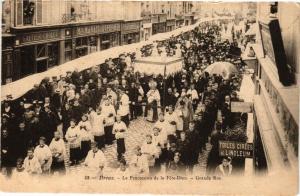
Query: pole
(164, 94)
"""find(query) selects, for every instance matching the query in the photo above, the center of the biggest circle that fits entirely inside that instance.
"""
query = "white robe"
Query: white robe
(118, 126)
(107, 110)
(139, 165)
(124, 105)
(85, 134)
(73, 137)
(58, 147)
(98, 125)
(32, 166)
(169, 118)
(94, 163)
(43, 154)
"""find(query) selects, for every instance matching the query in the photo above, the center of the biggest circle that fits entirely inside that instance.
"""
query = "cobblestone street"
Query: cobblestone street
(135, 136)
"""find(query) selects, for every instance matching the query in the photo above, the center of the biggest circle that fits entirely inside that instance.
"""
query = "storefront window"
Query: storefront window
(27, 60)
(92, 44)
(81, 46)
(53, 54)
(68, 50)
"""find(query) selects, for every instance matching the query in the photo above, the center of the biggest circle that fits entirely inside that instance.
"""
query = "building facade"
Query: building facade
(276, 104)
(40, 34)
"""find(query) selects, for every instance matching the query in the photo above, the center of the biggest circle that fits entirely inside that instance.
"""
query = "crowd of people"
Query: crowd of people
(90, 110)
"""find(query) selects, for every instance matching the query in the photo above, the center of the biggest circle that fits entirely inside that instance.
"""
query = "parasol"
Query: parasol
(224, 69)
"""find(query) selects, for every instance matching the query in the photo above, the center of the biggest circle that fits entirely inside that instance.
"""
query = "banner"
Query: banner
(235, 149)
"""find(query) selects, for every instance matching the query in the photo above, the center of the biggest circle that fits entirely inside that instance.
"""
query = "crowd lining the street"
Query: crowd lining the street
(90, 110)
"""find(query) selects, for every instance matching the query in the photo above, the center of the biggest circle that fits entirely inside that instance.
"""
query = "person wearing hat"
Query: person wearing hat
(139, 163)
(73, 137)
(31, 163)
(43, 153)
(58, 150)
(95, 161)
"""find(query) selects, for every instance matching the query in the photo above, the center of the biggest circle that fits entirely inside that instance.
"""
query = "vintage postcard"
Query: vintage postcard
(150, 97)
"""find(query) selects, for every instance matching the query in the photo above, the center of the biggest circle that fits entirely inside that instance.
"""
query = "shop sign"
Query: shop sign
(131, 26)
(243, 107)
(40, 36)
(235, 149)
(170, 23)
(98, 29)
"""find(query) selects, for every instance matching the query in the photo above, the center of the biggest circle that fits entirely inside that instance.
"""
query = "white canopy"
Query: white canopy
(158, 65)
(224, 69)
(20, 87)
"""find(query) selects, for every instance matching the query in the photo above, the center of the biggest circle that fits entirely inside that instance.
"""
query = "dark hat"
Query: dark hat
(9, 96)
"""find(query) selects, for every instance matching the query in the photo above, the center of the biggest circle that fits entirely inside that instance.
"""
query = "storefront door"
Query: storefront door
(27, 60)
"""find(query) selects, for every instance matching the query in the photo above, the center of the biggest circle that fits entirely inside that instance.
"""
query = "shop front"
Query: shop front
(35, 52)
(179, 21)
(158, 28)
(130, 32)
(146, 31)
(159, 23)
(96, 37)
(170, 25)
(7, 59)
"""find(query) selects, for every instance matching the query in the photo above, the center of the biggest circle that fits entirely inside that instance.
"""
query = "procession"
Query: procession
(150, 94)
(69, 121)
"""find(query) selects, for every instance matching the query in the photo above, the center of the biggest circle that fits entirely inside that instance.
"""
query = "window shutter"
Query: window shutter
(39, 12)
(19, 12)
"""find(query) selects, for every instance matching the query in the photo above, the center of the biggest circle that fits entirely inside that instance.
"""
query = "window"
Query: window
(53, 54)
(92, 44)
(28, 12)
(68, 50)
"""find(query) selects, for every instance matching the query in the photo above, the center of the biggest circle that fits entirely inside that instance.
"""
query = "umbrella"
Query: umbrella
(224, 69)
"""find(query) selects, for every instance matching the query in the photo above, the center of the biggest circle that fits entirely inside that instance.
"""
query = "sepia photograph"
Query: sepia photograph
(150, 97)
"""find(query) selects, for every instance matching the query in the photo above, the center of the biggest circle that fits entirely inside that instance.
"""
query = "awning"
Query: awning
(20, 87)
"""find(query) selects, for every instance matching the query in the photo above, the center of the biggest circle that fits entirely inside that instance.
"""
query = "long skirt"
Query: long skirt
(100, 140)
(152, 112)
(120, 147)
(109, 137)
(85, 147)
(74, 155)
(125, 119)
